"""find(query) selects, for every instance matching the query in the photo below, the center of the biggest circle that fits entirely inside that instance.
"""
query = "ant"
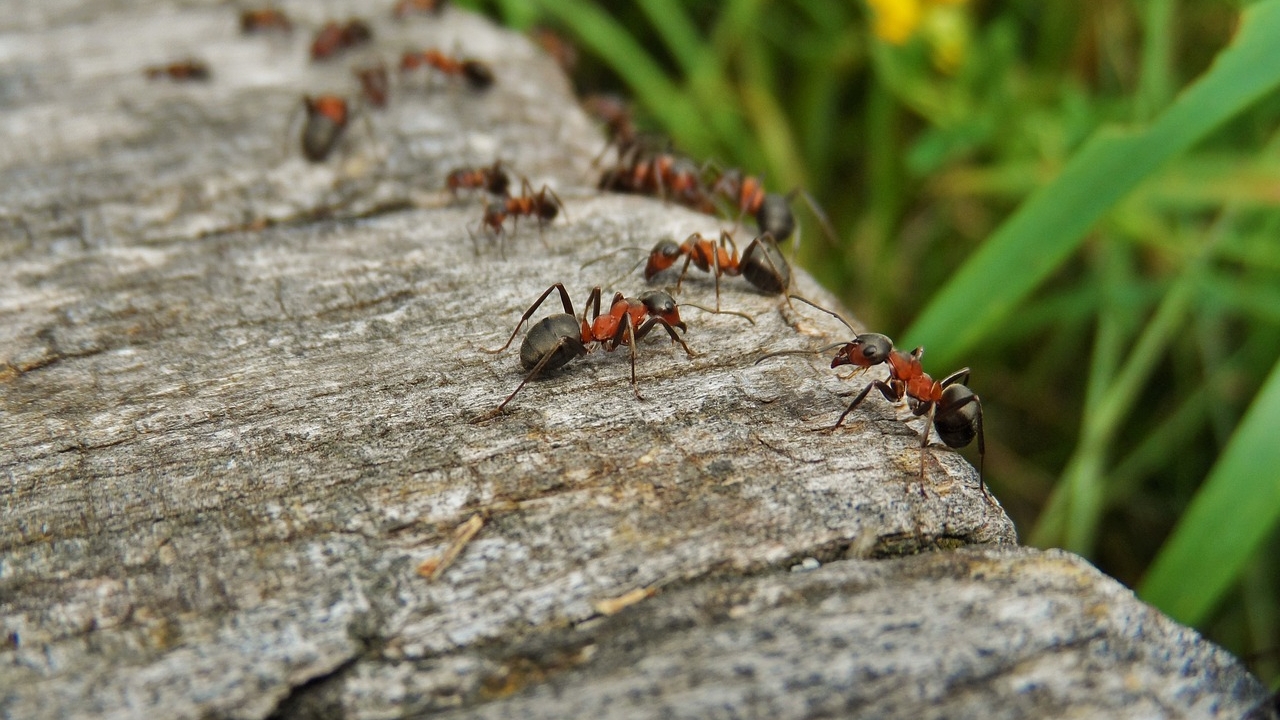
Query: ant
(327, 119)
(762, 264)
(771, 211)
(664, 175)
(405, 7)
(333, 37)
(492, 179)
(182, 71)
(374, 83)
(554, 341)
(615, 113)
(947, 404)
(264, 20)
(537, 205)
(476, 73)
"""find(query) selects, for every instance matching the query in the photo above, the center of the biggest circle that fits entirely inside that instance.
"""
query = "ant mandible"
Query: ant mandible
(476, 73)
(762, 264)
(947, 404)
(492, 179)
(772, 212)
(554, 341)
(538, 205)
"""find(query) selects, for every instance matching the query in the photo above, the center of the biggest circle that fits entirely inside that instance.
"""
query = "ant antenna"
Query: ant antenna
(819, 351)
(832, 313)
(742, 315)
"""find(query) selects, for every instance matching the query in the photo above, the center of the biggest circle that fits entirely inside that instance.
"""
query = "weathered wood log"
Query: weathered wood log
(237, 393)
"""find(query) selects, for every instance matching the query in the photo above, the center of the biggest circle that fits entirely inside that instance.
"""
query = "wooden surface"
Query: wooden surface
(235, 429)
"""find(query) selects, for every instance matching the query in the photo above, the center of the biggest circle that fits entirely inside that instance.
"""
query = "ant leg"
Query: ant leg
(982, 441)
(683, 270)
(924, 444)
(880, 385)
(832, 313)
(827, 228)
(564, 297)
(960, 376)
(659, 322)
(532, 374)
(593, 303)
(631, 340)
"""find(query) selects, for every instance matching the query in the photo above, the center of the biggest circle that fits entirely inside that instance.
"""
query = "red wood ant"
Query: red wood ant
(492, 179)
(476, 73)
(333, 37)
(182, 71)
(554, 341)
(772, 212)
(762, 264)
(374, 83)
(663, 175)
(947, 404)
(327, 119)
(620, 129)
(404, 8)
(545, 205)
(264, 20)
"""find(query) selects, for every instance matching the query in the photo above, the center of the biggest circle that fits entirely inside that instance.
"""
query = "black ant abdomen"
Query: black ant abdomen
(775, 217)
(764, 266)
(559, 336)
(959, 416)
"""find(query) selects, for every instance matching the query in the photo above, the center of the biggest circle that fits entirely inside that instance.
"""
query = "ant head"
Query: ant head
(660, 304)
(865, 350)
(663, 256)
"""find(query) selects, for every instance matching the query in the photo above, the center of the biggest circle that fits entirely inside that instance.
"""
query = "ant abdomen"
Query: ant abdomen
(959, 425)
(558, 336)
(763, 266)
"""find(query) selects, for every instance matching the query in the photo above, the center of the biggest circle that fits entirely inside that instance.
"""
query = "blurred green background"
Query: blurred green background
(1078, 200)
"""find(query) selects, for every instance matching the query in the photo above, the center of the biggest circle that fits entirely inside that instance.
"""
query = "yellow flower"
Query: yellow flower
(941, 22)
(895, 20)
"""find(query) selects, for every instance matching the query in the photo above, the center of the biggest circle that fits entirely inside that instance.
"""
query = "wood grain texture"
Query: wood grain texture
(235, 429)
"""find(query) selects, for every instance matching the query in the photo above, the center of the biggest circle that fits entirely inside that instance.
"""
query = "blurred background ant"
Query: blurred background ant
(182, 71)
(762, 264)
(492, 179)
(556, 340)
(475, 73)
(544, 205)
(375, 84)
(332, 38)
(264, 20)
(947, 405)
(326, 118)
(405, 8)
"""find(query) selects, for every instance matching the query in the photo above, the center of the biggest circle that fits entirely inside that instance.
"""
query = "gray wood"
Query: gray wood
(236, 393)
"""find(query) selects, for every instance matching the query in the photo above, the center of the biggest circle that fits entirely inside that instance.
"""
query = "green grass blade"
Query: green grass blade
(1049, 226)
(1228, 519)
